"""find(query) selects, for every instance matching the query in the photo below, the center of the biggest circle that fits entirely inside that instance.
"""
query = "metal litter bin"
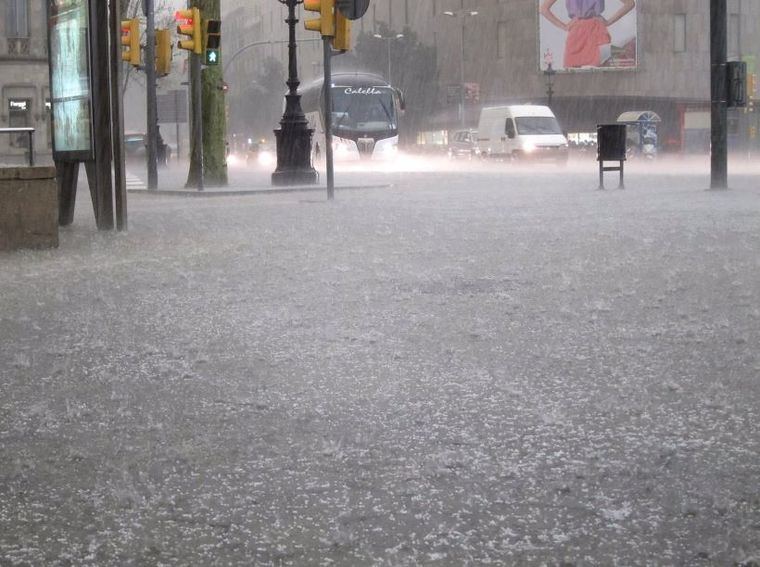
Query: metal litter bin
(611, 146)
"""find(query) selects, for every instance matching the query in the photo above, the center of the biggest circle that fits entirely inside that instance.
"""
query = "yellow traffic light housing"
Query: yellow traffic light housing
(163, 53)
(325, 24)
(130, 41)
(342, 39)
(191, 28)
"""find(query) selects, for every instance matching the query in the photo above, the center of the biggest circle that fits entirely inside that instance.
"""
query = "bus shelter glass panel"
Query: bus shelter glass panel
(70, 79)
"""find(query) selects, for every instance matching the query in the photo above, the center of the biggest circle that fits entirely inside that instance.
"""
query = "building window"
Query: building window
(501, 40)
(17, 18)
(19, 116)
(679, 33)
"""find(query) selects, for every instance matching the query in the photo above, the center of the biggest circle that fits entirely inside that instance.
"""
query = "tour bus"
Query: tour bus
(365, 113)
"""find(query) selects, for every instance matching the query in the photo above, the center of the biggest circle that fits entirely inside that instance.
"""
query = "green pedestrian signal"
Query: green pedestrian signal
(213, 41)
(212, 57)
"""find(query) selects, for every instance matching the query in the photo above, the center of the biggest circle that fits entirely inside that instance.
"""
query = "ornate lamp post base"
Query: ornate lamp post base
(293, 156)
(294, 136)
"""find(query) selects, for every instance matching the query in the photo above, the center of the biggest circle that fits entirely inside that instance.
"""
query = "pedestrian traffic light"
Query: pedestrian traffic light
(213, 41)
(163, 53)
(130, 41)
(190, 26)
(342, 39)
(325, 24)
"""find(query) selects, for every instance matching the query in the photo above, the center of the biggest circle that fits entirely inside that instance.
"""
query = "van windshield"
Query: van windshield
(537, 125)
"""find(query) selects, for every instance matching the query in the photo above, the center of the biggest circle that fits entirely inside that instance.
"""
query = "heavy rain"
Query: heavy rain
(435, 333)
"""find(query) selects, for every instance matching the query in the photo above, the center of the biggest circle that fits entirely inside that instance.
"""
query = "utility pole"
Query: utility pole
(150, 77)
(719, 93)
(327, 90)
(197, 104)
(117, 113)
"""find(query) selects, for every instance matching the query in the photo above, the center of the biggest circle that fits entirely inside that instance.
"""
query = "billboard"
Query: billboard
(587, 35)
(70, 86)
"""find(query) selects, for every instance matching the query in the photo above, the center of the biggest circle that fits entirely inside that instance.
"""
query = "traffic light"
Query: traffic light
(325, 24)
(352, 9)
(190, 27)
(342, 39)
(163, 53)
(736, 72)
(213, 41)
(130, 39)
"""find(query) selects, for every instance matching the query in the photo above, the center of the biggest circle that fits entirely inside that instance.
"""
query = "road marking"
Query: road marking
(135, 183)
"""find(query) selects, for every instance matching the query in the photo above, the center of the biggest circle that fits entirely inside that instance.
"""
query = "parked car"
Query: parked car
(134, 145)
(463, 144)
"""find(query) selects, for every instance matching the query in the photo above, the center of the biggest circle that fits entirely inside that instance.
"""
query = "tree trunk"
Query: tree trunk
(214, 118)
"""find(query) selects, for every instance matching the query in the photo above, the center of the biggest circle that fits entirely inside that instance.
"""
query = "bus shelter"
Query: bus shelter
(642, 129)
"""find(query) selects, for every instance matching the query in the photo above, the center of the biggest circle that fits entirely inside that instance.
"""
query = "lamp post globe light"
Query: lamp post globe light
(463, 14)
(388, 39)
(294, 136)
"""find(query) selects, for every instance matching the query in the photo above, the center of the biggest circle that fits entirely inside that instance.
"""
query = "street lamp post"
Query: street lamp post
(549, 73)
(388, 39)
(461, 14)
(293, 137)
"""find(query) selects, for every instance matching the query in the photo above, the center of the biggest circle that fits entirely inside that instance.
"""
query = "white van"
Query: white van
(521, 131)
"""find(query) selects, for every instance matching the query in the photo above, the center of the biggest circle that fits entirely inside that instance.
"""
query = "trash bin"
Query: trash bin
(611, 142)
(611, 146)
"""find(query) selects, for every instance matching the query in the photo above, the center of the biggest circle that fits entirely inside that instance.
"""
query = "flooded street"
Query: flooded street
(470, 364)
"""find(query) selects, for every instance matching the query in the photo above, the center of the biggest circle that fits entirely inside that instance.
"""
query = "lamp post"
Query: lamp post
(549, 73)
(463, 14)
(388, 39)
(293, 137)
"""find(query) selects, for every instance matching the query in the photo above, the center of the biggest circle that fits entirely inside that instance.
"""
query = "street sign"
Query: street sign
(352, 9)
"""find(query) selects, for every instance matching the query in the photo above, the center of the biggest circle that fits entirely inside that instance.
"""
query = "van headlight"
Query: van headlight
(529, 147)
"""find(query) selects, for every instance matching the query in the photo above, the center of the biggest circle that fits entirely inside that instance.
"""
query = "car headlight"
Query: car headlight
(266, 157)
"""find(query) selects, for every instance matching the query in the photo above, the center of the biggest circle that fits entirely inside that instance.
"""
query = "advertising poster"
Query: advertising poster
(587, 35)
(69, 76)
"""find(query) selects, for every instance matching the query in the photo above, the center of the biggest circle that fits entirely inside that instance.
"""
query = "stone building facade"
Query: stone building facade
(499, 50)
(24, 78)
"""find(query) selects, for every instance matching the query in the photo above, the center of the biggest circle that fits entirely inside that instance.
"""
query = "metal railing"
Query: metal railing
(29, 131)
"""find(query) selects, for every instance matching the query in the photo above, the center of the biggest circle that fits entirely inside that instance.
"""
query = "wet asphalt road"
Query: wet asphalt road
(470, 366)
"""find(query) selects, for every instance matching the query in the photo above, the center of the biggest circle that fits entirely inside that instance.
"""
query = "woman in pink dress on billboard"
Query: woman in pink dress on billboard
(586, 30)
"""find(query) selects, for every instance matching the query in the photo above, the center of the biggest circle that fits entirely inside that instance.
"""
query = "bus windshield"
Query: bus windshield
(540, 125)
(364, 109)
